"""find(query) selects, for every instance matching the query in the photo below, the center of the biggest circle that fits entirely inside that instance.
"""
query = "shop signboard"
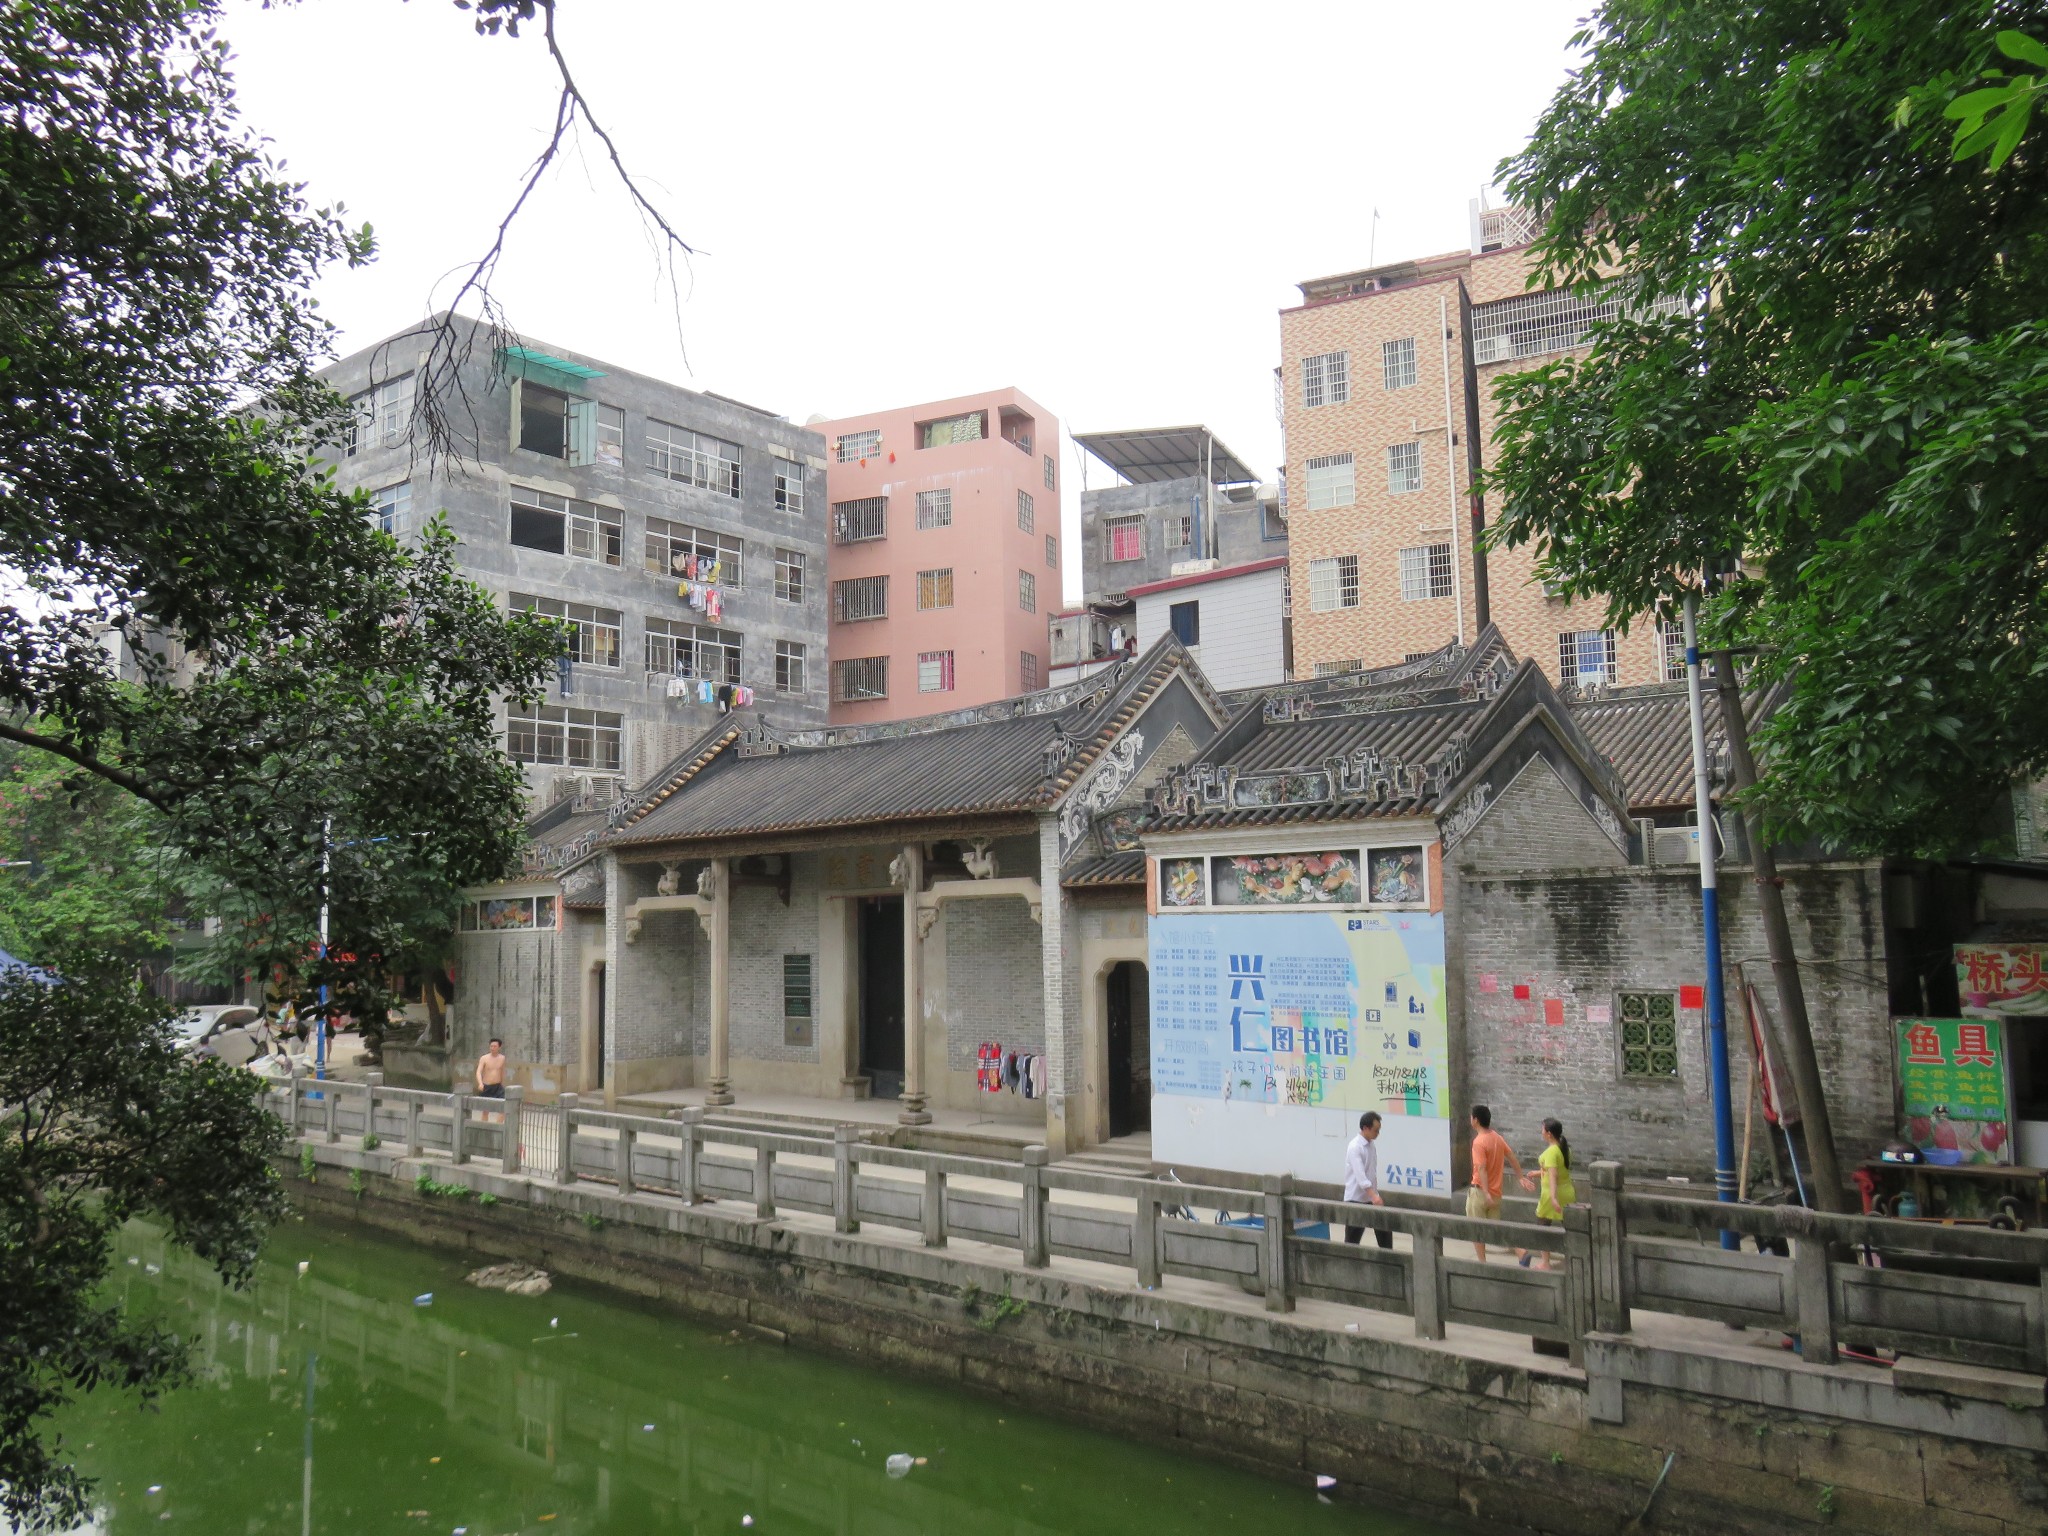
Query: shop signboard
(1952, 1087)
(2003, 978)
(1273, 1031)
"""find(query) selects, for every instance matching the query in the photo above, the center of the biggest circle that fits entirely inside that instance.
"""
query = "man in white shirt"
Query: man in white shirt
(1362, 1176)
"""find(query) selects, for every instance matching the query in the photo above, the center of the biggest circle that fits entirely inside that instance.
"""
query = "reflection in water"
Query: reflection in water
(329, 1402)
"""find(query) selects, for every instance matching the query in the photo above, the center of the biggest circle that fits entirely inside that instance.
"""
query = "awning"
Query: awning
(529, 356)
(1152, 454)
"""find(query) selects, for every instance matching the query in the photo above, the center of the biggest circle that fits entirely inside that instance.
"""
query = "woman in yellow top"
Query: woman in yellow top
(1553, 1180)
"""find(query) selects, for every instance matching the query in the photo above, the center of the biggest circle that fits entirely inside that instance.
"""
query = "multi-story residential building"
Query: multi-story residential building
(1387, 383)
(945, 554)
(680, 534)
(1183, 497)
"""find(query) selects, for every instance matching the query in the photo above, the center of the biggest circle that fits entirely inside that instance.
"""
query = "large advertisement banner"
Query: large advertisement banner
(1273, 1031)
(1952, 1088)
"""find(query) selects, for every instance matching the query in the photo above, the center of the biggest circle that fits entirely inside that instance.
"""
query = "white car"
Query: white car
(200, 1026)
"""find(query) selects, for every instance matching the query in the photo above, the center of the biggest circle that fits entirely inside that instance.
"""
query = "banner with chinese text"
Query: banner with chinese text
(2003, 978)
(1952, 1086)
(1281, 1027)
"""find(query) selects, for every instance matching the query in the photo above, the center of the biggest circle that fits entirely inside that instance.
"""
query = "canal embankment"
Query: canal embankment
(1412, 1376)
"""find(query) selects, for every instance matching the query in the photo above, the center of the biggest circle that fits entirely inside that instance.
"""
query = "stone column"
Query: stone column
(719, 891)
(909, 873)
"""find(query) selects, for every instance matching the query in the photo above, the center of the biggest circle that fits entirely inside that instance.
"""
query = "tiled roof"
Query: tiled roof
(1109, 870)
(1018, 755)
(1647, 734)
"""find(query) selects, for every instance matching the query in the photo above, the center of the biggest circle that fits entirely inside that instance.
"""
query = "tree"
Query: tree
(1829, 434)
(80, 868)
(310, 710)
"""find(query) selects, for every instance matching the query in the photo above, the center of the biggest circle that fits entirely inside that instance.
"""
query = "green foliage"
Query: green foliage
(309, 1165)
(1993, 119)
(107, 1121)
(355, 1182)
(1824, 1506)
(372, 1141)
(428, 1186)
(593, 1220)
(82, 867)
(486, 1199)
(1843, 405)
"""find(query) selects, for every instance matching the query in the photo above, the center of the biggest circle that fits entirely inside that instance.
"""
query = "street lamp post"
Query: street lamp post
(1710, 918)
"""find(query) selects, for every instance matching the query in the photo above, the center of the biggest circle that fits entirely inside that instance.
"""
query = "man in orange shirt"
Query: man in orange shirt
(1490, 1152)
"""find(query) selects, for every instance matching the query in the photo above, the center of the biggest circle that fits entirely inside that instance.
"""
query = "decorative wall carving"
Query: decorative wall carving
(1113, 771)
(1466, 816)
(671, 880)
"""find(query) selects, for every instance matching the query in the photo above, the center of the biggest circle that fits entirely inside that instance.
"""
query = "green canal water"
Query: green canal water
(330, 1402)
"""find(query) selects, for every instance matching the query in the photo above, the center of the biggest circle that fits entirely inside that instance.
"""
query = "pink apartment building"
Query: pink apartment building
(943, 554)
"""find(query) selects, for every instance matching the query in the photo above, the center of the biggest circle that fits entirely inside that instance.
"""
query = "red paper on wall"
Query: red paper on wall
(1553, 1010)
(1692, 997)
(1521, 991)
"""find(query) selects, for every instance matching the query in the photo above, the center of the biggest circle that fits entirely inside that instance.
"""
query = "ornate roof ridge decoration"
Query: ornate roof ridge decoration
(1362, 775)
(543, 858)
(761, 740)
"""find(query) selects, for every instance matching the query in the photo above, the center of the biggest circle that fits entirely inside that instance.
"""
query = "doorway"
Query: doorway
(1129, 1019)
(880, 950)
(597, 1028)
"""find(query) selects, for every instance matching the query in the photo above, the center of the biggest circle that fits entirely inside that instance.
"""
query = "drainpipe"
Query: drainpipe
(1443, 332)
(1710, 917)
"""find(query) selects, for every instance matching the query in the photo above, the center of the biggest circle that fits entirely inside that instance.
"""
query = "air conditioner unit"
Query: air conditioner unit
(1675, 845)
(1492, 349)
(1646, 838)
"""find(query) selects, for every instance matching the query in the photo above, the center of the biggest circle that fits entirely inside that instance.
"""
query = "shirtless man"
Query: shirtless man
(490, 1072)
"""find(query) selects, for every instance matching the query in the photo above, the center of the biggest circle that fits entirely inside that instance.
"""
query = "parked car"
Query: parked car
(200, 1026)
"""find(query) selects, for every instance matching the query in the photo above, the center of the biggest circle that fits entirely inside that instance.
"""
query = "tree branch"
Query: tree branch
(77, 754)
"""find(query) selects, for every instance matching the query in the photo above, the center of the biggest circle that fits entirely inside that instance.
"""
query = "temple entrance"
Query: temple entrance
(597, 1063)
(880, 952)
(1129, 1019)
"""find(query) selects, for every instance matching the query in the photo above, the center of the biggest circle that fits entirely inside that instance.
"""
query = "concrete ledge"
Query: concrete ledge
(2015, 1389)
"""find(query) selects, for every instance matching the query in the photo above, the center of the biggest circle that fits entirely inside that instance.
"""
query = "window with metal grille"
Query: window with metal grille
(1674, 652)
(935, 588)
(1027, 512)
(853, 521)
(1027, 592)
(1648, 1023)
(677, 649)
(383, 415)
(671, 547)
(1410, 656)
(1123, 538)
(860, 677)
(1587, 655)
(1557, 319)
(1425, 572)
(1404, 468)
(1338, 668)
(693, 458)
(1052, 551)
(935, 672)
(789, 575)
(1027, 670)
(1326, 379)
(796, 986)
(560, 526)
(1180, 530)
(789, 486)
(855, 446)
(790, 661)
(1330, 482)
(935, 508)
(1333, 583)
(390, 507)
(861, 597)
(971, 427)
(1397, 362)
(595, 633)
(1185, 619)
(1052, 474)
(573, 738)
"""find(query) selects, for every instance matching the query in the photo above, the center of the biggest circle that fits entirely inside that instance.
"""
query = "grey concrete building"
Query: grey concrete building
(681, 534)
(1184, 498)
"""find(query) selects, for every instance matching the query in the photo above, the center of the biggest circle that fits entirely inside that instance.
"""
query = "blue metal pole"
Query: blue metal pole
(1710, 921)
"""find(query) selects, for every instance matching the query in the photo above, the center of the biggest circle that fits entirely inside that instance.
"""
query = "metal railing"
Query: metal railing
(1862, 1280)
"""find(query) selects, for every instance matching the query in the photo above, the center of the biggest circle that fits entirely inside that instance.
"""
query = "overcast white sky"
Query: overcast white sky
(1101, 204)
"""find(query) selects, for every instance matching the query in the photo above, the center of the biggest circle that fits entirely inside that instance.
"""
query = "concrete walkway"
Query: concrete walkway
(807, 1114)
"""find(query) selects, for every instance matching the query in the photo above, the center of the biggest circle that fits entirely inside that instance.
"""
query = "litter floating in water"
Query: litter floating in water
(746, 1519)
(647, 1429)
(304, 1265)
(152, 1269)
(134, 1260)
(154, 1488)
(433, 1461)
(1324, 1483)
(899, 1465)
(424, 1299)
(554, 1322)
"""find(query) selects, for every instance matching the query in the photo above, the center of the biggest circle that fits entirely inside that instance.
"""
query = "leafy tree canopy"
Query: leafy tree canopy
(1848, 402)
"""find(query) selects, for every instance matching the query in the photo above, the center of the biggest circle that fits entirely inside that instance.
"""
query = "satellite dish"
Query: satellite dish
(815, 418)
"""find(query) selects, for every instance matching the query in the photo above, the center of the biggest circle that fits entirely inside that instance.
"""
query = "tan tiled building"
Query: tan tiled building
(1386, 383)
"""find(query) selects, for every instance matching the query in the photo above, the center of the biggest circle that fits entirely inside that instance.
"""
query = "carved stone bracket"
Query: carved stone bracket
(942, 891)
(640, 910)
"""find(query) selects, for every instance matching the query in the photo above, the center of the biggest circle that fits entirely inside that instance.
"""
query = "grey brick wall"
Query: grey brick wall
(657, 986)
(1536, 822)
(995, 984)
(1060, 952)
(763, 931)
(506, 988)
(1577, 939)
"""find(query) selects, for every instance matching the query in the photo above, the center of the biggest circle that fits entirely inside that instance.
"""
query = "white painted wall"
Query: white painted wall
(1240, 626)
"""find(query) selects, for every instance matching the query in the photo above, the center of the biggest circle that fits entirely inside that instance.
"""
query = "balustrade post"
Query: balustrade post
(764, 1180)
(1145, 1236)
(1031, 1233)
(1426, 1281)
(627, 1136)
(844, 1216)
(565, 1166)
(1580, 1308)
(934, 1206)
(1274, 1189)
(330, 1104)
(372, 1081)
(509, 1159)
(458, 1147)
(293, 1115)
(693, 1144)
(413, 1106)
(1609, 1250)
(1812, 1288)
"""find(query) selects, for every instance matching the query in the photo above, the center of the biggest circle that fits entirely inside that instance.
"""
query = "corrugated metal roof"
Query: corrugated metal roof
(1647, 734)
